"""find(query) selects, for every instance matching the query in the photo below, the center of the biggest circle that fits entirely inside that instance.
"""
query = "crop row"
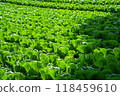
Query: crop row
(86, 7)
(96, 2)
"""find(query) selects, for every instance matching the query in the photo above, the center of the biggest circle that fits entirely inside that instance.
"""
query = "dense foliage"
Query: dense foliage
(66, 39)
(100, 6)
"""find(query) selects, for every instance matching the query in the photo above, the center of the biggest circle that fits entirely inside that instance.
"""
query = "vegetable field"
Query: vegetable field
(59, 39)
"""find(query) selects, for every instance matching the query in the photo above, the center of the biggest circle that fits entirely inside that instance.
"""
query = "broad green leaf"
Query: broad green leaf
(81, 48)
(61, 64)
(27, 67)
(52, 73)
(100, 62)
(104, 51)
(96, 51)
(42, 72)
(116, 51)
